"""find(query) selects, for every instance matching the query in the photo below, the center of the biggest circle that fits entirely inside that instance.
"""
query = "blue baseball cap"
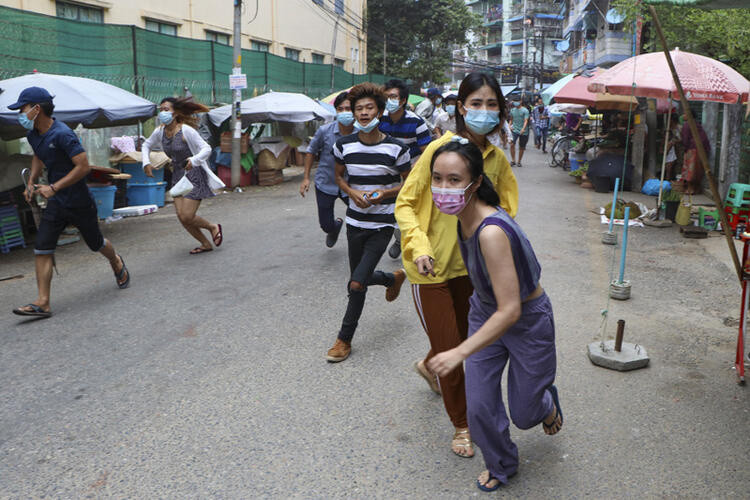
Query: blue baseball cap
(432, 92)
(31, 95)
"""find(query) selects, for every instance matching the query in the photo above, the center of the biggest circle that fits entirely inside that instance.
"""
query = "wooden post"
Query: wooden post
(699, 145)
(620, 334)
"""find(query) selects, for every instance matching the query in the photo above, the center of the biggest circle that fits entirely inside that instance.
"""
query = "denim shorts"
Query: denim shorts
(54, 219)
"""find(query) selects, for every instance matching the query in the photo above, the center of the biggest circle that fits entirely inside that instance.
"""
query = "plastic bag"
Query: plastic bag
(651, 187)
(183, 187)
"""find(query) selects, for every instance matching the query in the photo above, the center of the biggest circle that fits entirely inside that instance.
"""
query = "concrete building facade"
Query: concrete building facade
(302, 30)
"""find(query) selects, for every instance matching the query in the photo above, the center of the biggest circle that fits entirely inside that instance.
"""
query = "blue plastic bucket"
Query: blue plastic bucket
(146, 194)
(104, 196)
(576, 160)
(139, 176)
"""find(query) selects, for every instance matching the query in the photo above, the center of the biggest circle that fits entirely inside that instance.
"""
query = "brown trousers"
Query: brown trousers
(443, 309)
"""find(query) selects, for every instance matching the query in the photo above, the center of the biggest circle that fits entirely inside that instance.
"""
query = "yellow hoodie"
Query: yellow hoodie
(425, 230)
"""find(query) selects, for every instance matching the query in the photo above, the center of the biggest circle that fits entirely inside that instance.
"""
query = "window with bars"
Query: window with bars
(160, 27)
(79, 12)
(318, 58)
(217, 37)
(292, 54)
(259, 46)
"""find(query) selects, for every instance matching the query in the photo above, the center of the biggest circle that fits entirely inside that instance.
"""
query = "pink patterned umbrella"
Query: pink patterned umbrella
(702, 78)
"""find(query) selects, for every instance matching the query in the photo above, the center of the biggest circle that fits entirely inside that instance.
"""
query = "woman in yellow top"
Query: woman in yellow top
(440, 284)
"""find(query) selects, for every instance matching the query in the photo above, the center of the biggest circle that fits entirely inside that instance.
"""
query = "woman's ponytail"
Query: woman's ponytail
(486, 192)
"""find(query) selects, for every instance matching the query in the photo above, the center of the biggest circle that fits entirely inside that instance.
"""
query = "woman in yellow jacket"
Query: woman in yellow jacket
(440, 284)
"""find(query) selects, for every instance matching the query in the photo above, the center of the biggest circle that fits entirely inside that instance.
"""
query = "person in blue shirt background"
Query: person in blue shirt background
(57, 148)
(326, 189)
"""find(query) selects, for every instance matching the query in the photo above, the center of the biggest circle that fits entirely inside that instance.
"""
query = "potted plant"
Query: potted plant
(579, 173)
(671, 200)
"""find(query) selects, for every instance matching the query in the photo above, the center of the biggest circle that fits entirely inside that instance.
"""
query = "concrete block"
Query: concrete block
(629, 358)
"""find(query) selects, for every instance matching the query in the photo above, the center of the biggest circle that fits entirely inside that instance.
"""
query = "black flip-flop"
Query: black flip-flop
(558, 409)
(36, 311)
(219, 236)
(119, 276)
(197, 250)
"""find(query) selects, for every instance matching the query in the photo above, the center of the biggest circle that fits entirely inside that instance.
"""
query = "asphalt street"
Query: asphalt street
(207, 377)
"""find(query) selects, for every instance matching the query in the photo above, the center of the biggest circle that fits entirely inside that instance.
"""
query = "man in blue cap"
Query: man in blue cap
(427, 109)
(69, 200)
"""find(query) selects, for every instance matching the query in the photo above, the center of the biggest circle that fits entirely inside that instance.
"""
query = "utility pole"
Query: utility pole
(385, 46)
(236, 120)
(541, 73)
(333, 53)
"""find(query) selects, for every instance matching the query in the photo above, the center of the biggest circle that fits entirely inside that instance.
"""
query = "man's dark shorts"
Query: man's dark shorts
(522, 139)
(54, 219)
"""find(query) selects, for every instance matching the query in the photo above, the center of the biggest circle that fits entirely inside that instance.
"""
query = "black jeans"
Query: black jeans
(366, 247)
(325, 209)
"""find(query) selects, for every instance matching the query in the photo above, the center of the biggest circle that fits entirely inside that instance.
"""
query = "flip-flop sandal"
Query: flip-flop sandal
(197, 250)
(121, 274)
(36, 311)
(492, 488)
(219, 238)
(558, 410)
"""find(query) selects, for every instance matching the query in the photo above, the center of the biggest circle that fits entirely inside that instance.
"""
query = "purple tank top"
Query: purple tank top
(527, 266)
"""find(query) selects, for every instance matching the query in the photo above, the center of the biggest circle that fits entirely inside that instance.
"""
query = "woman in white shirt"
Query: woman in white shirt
(180, 141)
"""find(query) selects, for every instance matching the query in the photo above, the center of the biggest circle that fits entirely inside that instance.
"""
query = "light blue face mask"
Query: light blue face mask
(345, 118)
(165, 117)
(451, 109)
(367, 128)
(392, 105)
(25, 121)
(481, 121)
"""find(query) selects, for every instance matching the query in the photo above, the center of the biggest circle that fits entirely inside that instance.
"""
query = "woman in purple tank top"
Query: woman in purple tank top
(510, 316)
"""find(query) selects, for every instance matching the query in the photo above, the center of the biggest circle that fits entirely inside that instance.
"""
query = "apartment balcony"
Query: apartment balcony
(584, 57)
(613, 47)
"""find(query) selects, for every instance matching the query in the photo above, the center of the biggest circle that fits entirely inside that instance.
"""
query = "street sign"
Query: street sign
(237, 82)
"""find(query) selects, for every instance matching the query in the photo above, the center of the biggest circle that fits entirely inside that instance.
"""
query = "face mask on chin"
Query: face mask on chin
(367, 128)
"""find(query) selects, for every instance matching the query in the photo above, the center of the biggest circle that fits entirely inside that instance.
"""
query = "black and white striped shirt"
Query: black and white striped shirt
(371, 167)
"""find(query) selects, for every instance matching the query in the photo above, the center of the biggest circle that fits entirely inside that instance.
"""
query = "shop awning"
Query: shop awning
(514, 42)
(512, 19)
(549, 16)
(507, 89)
(490, 46)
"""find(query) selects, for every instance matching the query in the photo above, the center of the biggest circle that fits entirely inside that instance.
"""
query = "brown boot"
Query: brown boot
(339, 352)
(391, 292)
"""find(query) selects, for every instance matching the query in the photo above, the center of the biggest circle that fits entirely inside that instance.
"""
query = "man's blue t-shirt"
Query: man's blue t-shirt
(519, 114)
(55, 148)
(322, 143)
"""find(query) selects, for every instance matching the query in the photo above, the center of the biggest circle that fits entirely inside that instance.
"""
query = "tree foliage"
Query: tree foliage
(418, 36)
(720, 34)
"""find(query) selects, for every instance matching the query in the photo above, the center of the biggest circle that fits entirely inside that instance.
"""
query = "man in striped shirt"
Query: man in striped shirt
(375, 164)
(407, 127)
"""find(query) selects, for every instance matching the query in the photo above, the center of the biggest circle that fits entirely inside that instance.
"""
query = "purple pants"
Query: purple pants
(530, 346)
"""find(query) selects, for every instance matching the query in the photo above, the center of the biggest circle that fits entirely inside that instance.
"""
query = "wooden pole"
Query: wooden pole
(699, 145)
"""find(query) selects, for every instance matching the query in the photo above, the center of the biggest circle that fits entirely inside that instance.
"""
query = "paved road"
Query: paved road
(206, 379)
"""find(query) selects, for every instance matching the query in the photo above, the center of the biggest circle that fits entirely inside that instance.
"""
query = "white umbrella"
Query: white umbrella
(92, 103)
(274, 106)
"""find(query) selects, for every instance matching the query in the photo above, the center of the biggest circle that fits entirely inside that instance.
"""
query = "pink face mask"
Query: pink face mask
(450, 200)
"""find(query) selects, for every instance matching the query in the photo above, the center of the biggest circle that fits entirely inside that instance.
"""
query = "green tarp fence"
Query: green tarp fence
(153, 65)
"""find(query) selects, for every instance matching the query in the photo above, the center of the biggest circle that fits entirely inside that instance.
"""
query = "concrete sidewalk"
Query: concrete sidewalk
(207, 378)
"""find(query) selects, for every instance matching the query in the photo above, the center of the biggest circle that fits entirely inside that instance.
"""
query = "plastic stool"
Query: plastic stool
(703, 213)
(738, 195)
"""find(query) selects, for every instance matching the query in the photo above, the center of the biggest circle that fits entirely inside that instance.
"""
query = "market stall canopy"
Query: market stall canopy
(648, 75)
(274, 106)
(704, 4)
(550, 91)
(92, 103)
(576, 92)
(558, 109)
(332, 97)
